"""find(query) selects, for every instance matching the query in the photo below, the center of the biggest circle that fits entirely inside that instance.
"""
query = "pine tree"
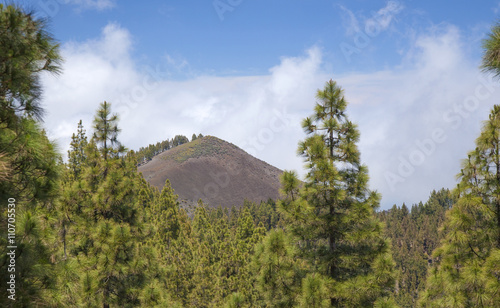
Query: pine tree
(332, 215)
(164, 214)
(204, 253)
(415, 234)
(236, 300)
(178, 140)
(314, 292)
(29, 169)
(106, 131)
(105, 224)
(467, 271)
(491, 57)
(76, 153)
(277, 270)
(27, 50)
(245, 236)
(180, 262)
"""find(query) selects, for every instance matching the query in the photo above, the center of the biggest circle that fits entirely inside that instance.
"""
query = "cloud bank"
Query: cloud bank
(417, 120)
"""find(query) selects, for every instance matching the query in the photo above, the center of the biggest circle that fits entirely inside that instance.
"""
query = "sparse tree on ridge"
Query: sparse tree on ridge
(178, 140)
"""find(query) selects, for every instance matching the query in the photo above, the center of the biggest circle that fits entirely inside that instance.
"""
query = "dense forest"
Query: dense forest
(88, 230)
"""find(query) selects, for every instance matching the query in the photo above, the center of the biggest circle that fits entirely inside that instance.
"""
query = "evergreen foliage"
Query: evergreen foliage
(466, 271)
(278, 271)
(103, 225)
(332, 214)
(415, 234)
(92, 232)
(29, 170)
(106, 131)
(145, 154)
(27, 50)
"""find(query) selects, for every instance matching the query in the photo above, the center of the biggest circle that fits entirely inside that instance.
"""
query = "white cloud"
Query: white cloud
(396, 109)
(91, 73)
(400, 110)
(153, 108)
(288, 79)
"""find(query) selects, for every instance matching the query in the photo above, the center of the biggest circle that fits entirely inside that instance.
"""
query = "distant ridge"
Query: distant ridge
(214, 170)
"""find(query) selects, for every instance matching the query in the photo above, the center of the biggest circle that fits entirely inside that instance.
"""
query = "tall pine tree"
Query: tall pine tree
(104, 226)
(29, 170)
(332, 213)
(467, 271)
(278, 271)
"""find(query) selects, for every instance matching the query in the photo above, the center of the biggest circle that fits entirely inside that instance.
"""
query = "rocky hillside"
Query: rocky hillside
(215, 171)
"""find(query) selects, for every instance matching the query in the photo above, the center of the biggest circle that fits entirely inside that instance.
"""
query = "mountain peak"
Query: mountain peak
(214, 170)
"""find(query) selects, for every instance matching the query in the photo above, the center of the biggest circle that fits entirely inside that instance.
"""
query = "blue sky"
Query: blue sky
(220, 38)
(247, 72)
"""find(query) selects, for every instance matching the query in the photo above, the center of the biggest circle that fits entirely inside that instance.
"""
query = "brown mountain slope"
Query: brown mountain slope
(215, 171)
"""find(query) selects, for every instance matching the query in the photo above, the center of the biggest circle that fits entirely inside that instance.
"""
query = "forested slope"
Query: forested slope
(414, 234)
(91, 231)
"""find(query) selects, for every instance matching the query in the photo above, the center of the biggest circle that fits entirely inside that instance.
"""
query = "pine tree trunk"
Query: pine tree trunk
(105, 300)
(332, 244)
(498, 221)
(64, 241)
(105, 139)
(498, 197)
